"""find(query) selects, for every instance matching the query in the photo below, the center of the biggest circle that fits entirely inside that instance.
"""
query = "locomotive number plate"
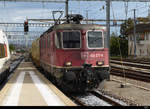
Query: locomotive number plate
(88, 55)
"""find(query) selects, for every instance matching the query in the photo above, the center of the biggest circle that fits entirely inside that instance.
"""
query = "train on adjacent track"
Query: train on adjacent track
(4, 49)
(74, 54)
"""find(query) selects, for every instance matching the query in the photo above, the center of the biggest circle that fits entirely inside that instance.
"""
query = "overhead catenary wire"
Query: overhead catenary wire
(130, 11)
(126, 8)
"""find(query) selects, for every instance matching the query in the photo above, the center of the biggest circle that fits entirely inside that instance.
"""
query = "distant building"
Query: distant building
(142, 41)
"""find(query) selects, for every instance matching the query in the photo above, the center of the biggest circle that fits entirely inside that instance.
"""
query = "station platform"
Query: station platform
(28, 87)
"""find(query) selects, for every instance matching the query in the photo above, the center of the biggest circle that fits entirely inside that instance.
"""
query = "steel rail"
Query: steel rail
(130, 74)
(78, 101)
(98, 95)
(142, 61)
(105, 98)
(133, 64)
(134, 69)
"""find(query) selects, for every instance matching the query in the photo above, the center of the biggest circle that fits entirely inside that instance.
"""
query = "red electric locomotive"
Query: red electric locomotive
(75, 54)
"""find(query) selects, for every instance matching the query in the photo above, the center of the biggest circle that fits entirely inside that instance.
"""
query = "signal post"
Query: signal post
(26, 29)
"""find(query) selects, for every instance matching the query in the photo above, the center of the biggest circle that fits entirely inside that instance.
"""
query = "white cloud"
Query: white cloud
(21, 15)
(18, 19)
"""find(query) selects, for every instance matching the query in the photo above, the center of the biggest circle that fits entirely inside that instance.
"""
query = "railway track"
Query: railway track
(133, 70)
(133, 64)
(106, 98)
(5, 75)
(96, 98)
(141, 61)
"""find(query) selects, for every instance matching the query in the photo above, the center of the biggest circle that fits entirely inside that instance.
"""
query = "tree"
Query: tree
(128, 24)
(11, 48)
(114, 48)
(115, 42)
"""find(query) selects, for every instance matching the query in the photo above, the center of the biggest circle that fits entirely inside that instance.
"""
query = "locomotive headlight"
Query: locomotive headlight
(99, 63)
(68, 64)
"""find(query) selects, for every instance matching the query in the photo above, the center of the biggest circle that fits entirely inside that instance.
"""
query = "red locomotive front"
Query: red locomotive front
(76, 55)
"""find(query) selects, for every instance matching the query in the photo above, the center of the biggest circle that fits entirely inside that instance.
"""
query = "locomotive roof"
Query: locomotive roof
(78, 27)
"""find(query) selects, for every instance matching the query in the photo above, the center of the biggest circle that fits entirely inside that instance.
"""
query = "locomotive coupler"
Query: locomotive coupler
(87, 74)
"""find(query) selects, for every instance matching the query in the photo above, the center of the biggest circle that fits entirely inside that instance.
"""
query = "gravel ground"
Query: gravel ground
(114, 99)
(91, 100)
(130, 93)
(132, 81)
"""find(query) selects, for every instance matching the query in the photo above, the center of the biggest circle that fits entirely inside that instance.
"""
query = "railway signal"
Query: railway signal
(26, 27)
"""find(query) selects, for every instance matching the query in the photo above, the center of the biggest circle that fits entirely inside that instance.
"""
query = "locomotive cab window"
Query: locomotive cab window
(71, 39)
(58, 39)
(95, 39)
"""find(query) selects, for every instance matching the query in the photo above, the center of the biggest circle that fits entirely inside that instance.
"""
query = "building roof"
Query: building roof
(140, 28)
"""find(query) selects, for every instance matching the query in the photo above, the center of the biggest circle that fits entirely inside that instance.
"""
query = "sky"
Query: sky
(19, 11)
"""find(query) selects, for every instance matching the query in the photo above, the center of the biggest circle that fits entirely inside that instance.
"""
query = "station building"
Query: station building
(142, 41)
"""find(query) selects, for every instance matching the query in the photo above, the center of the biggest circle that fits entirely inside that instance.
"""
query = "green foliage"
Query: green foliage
(115, 42)
(128, 24)
(22, 51)
(11, 48)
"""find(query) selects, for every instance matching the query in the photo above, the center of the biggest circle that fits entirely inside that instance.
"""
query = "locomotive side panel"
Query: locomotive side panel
(47, 52)
(35, 52)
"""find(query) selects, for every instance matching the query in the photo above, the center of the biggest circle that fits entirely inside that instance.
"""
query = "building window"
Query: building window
(142, 36)
(131, 38)
(146, 36)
